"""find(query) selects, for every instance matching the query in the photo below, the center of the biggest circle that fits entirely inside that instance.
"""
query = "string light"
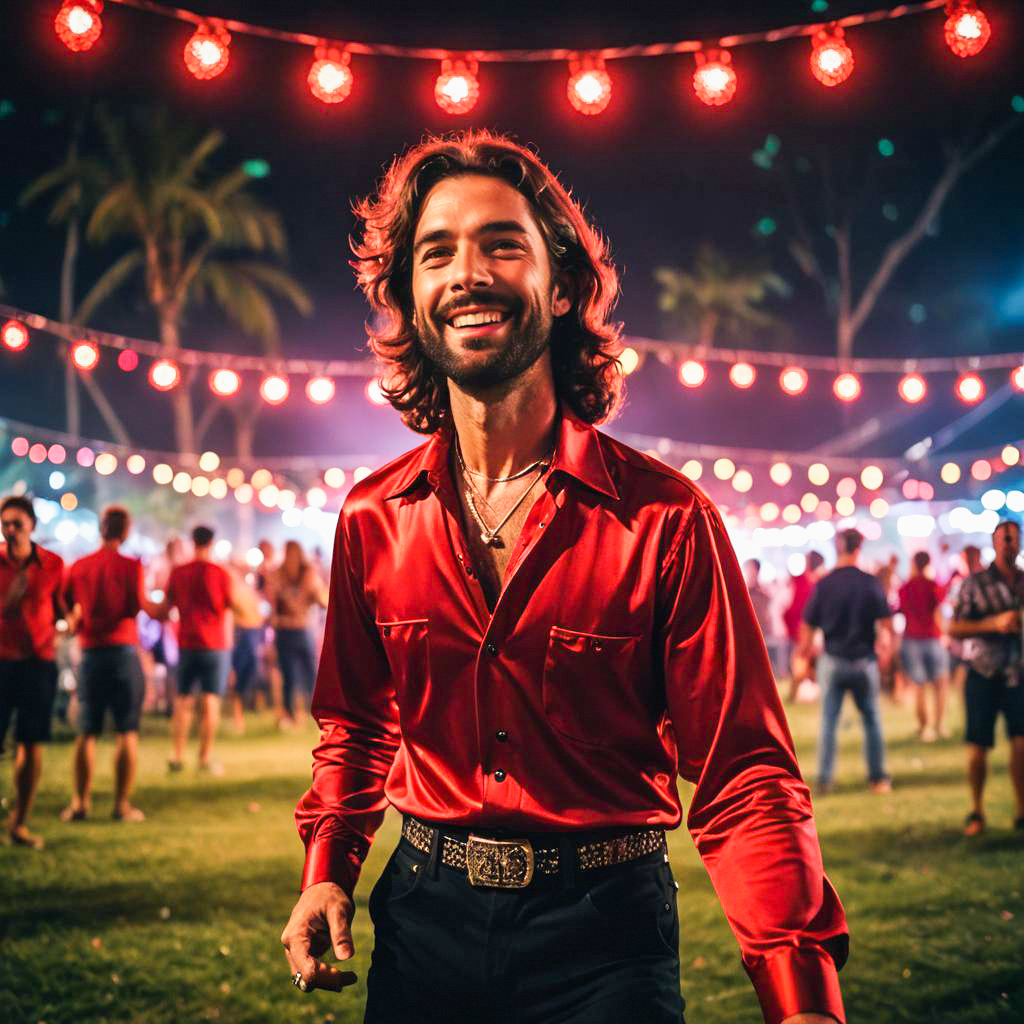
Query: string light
(105, 464)
(818, 474)
(19, 447)
(209, 461)
(207, 52)
(871, 478)
(135, 464)
(714, 81)
(15, 335)
(742, 375)
(164, 375)
(912, 388)
(1010, 455)
(724, 468)
(274, 389)
(127, 360)
(629, 360)
(334, 477)
(967, 29)
(742, 481)
(457, 89)
(981, 469)
(846, 387)
(224, 382)
(793, 380)
(78, 24)
(375, 393)
(831, 58)
(57, 453)
(330, 78)
(780, 473)
(692, 373)
(693, 469)
(85, 355)
(1017, 378)
(950, 473)
(320, 390)
(590, 86)
(970, 388)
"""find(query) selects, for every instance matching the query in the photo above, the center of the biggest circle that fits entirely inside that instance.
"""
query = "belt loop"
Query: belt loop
(435, 847)
(567, 854)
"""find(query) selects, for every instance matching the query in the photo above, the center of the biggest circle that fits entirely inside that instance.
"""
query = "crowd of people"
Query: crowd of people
(188, 631)
(177, 639)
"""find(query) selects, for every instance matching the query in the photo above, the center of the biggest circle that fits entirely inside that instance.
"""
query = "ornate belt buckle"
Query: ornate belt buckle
(499, 863)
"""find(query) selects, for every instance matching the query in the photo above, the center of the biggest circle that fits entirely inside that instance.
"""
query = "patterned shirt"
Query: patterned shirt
(986, 593)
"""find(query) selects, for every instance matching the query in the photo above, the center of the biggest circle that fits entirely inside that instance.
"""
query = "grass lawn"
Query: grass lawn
(177, 919)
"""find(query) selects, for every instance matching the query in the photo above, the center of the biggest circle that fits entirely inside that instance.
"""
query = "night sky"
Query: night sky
(658, 173)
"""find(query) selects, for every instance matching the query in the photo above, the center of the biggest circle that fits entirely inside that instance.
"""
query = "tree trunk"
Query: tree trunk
(72, 413)
(706, 330)
(181, 400)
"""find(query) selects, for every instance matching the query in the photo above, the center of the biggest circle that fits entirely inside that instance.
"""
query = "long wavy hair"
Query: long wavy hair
(588, 376)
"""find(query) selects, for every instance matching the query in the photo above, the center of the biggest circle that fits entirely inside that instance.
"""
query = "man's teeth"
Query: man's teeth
(477, 319)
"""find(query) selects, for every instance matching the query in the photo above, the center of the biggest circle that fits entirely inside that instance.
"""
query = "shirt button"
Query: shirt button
(386, 631)
(492, 649)
(501, 736)
(499, 775)
(469, 571)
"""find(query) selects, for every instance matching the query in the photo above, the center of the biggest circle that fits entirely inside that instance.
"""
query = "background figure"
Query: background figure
(960, 647)
(31, 586)
(988, 609)
(105, 592)
(295, 590)
(248, 638)
(890, 675)
(761, 599)
(801, 587)
(848, 606)
(924, 659)
(264, 580)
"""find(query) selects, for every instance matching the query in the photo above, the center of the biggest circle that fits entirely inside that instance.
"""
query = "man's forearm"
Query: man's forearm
(964, 628)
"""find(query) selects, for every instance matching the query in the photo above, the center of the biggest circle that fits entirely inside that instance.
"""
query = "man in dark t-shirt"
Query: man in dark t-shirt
(848, 606)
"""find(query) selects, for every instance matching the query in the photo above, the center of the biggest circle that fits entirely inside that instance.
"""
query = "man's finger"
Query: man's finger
(299, 957)
(332, 980)
(341, 934)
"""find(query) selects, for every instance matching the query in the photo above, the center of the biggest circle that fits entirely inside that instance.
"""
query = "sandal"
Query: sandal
(974, 824)
(74, 814)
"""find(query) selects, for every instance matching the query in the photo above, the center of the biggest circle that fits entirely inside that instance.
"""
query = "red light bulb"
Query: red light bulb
(224, 382)
(846, 387)
(457, 89)
(274, 389)
(912, 388)
(692, 373)
(85, 355)
(793, 380)
(330, 78)
(320, 390)
(590, 86)
(164, 375)
(970, 388)
(742, 375)
(206, 53)
(967, 29)
(78, 23)
(831, 58)
(714, 81)
(15, 335)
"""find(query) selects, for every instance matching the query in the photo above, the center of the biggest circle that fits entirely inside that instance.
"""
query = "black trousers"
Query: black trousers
(600, 948)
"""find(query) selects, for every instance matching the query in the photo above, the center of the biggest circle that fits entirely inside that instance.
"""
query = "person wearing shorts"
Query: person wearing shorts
(106, 592)
(988, 609)
(924, 659)
(203, 594)
(31, 599)
(245, 650)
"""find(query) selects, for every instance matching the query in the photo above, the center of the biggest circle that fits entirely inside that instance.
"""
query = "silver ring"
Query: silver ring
(297, 979)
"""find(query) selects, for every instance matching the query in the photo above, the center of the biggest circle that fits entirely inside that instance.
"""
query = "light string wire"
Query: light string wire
(669, 350)
(531, 56)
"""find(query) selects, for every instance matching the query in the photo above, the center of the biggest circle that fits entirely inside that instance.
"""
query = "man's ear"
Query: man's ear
(563, 295)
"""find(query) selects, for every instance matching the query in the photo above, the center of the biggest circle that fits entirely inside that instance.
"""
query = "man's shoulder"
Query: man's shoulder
(371, 490)
(49, 559)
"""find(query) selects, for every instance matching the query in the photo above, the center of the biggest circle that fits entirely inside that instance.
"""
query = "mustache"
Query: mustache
(471, 299)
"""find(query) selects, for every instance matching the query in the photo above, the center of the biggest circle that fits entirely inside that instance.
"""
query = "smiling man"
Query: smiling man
(533, 629)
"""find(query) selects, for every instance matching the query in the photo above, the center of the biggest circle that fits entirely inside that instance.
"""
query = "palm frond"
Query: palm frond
(110, 281)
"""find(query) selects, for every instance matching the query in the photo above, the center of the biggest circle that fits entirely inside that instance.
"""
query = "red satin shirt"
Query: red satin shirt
(622, 651)
(28, 628)
(109, 588)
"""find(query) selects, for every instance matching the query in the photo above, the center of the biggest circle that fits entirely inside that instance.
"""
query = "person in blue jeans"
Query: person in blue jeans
(848, 606)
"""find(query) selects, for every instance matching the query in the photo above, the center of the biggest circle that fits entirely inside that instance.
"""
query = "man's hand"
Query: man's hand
(321, 920)
(1006, 622)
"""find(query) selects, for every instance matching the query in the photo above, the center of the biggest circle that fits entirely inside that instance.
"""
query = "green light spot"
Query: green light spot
(917, 313)
(772, 144)
(890, 211)
(256, 168)
(885, 147)
(762, 160)
(1017, 103)
(766, 226)
(7, 108)
(819, 5)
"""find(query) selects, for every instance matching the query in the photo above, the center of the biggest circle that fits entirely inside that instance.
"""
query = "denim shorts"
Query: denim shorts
(924, 659)
(207, 669)
(111, 677)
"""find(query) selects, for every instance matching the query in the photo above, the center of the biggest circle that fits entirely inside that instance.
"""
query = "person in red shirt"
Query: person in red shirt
(201, 590)
(924, 659)
(105, 592)
(801, 667)
(31, 581)
(532, 629)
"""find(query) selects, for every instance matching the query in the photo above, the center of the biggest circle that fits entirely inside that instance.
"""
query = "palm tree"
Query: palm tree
(716, 295)
(194, 232)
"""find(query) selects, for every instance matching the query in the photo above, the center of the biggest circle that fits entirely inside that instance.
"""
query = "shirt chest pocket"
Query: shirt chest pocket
(407, 645)
(590, 684)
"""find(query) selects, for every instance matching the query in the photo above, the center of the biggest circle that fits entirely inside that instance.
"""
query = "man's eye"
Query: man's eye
(507, 243)
(433, 254)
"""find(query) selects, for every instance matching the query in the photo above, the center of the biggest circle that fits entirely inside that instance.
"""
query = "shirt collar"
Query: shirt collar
(33, 555)
(578, 453)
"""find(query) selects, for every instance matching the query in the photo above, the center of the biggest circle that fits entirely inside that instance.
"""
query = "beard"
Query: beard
(529, 337)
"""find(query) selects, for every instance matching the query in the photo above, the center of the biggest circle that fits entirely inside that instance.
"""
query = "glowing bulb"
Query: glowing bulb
(78, 24)
(818, 474)
(950, 473)
(274, 389)
(831, 58)
(209, 461)
(334, 477)
(15, 335)
(793, 380)
(970, 388)
(724, 468)
(457, 89)
(162, 473)
(967, 29)
(629, 360)
(164, 375)
(206, 53)
(224, 382)
(135, 464)
(590, 86)
(846, 387)
(780, 473)
(693, 373)
(871, 478)
(85, 355)
(912, 388)
(742, 375)
(693, 469)
(320, 390)
(330, 78)
(714, 81)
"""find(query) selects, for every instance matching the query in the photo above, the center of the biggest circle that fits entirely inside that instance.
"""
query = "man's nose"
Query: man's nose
(470, 270)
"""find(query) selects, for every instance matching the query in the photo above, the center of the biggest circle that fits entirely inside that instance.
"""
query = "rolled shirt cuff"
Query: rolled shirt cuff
(332, 859)
(797, 979)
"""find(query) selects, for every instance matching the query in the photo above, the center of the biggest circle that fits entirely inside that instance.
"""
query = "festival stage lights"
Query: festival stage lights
(164, 375)
(846, 387)
(793, 380)
(15, 335)
(224, 382)
(457, 89)
(85, 355)
(207, 51)
(320, 390)
(967, 28)
(590, 86)
(1017, 378)
(692, 373)
(127, 360)
(912, 388)
(831, 58)
(714, 81)
(970, 388)
(742, 375)
(78, 23)
(274, 389)
(330, 78)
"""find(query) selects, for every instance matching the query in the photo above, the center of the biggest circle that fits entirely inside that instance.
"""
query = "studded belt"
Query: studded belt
(512, 863)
